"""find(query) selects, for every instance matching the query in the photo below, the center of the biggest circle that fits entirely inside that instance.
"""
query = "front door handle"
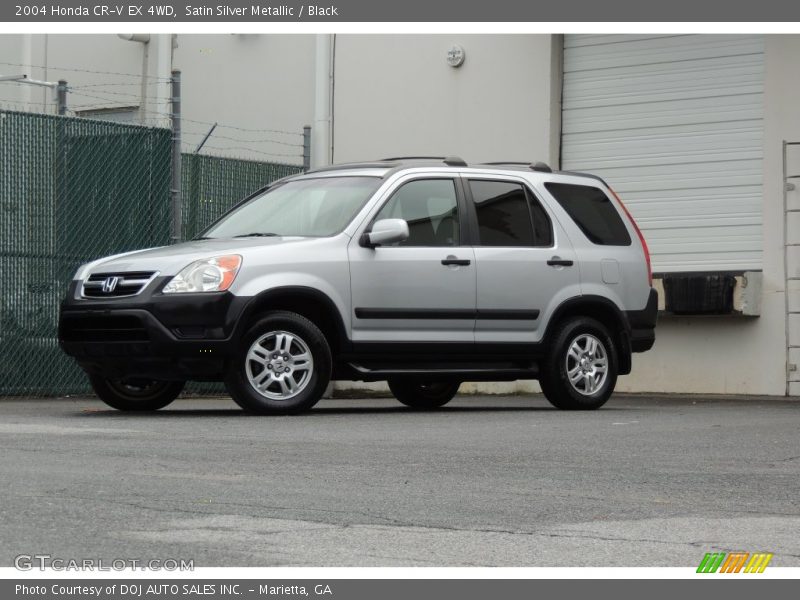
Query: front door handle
(557, 261)
(461, 262)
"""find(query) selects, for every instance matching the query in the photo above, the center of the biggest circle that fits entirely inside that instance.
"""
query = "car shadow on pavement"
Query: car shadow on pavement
(322, 411)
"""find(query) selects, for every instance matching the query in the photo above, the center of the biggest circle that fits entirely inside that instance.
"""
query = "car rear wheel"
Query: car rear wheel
(282, 366)
(135, 394)
(581, 372)
(423, 394)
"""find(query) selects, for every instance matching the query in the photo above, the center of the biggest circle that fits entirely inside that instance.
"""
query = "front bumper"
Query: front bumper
(169, 337)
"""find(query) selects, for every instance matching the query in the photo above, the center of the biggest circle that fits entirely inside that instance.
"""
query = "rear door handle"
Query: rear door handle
(461, 262)
(559, 262)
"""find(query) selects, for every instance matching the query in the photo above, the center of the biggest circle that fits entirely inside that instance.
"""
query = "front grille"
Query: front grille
(116, 285)
(102, 328)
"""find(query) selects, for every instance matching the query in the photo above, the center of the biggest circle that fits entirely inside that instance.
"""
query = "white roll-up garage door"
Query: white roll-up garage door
(674, 124)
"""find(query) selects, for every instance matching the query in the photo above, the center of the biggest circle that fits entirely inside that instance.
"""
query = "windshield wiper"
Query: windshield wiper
(257, 234)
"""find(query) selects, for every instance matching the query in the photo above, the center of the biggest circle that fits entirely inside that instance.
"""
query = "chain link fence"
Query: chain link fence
(211, 185)
(73, 190)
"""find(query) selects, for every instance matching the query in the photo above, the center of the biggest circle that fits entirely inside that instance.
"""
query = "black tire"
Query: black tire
(554, 378)
(311, 382)
(133, 394)
(423, 394)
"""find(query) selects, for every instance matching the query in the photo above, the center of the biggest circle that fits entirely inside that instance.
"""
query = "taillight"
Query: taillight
(641, 238)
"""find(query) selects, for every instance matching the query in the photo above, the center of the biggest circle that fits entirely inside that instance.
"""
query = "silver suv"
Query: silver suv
(423, 272)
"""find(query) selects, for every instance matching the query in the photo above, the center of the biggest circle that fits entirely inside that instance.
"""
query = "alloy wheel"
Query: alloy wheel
(587, 364)
(279, 365)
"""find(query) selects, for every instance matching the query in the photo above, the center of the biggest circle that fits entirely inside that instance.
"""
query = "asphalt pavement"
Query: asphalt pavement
(509, 481)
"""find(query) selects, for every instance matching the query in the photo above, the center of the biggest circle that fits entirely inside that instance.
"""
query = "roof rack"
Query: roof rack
(535, 166)
(355, 165)
(413, 158)
(582, 174)
(450, 161)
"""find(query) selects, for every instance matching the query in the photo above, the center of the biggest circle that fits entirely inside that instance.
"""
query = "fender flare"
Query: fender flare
(620, 330)
(262, 301)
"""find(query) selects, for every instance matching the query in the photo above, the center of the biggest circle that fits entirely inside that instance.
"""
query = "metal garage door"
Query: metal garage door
(674, 124)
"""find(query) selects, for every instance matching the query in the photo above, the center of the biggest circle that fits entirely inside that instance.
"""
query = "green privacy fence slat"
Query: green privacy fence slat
(72, 190)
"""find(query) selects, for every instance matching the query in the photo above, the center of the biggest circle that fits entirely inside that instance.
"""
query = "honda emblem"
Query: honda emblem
(110, 284)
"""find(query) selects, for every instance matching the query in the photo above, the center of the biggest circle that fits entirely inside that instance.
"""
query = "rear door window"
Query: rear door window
(507, 216)
(593, 212)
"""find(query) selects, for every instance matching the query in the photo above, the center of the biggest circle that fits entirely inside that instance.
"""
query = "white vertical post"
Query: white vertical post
(27, 61)
(321, 130)
(164, 73)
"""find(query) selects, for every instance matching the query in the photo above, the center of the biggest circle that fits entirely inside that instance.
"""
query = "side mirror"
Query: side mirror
(385, 231)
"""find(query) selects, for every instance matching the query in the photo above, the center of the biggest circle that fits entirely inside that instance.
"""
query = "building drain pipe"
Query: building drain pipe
(144, 39)
(323, 85)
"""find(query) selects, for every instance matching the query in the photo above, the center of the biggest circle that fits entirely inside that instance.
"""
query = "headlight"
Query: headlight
(207, 275)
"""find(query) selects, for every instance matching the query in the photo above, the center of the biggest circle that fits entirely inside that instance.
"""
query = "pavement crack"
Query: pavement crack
(200, 511)
(115, 502)
(762, 513)
(607, 538)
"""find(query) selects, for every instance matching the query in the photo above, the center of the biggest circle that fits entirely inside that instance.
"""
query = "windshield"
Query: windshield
(306, 207)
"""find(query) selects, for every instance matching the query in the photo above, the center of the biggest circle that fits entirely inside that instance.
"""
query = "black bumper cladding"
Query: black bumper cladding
(643, 324)
(151, 335)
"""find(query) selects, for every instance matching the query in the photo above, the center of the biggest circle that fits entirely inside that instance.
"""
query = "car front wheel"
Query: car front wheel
(282, 366)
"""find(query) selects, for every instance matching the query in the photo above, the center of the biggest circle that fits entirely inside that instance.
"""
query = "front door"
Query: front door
(422, 289)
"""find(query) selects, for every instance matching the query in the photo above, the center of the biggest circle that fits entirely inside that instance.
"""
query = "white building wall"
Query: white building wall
(783, 123)
(259, 88)
(396, 95)
(82, 60)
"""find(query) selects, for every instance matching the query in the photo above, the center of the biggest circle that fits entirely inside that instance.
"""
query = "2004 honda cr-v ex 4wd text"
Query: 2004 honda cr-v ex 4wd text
(421, 272)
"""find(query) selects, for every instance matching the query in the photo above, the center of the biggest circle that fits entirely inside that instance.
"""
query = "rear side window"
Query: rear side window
(506, 217)
(593, 212)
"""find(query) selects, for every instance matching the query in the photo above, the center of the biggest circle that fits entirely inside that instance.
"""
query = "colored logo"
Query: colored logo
(734, 562)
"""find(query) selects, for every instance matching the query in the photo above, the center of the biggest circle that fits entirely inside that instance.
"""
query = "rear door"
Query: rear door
(525, 262)
(612, 259)
(422, 289)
